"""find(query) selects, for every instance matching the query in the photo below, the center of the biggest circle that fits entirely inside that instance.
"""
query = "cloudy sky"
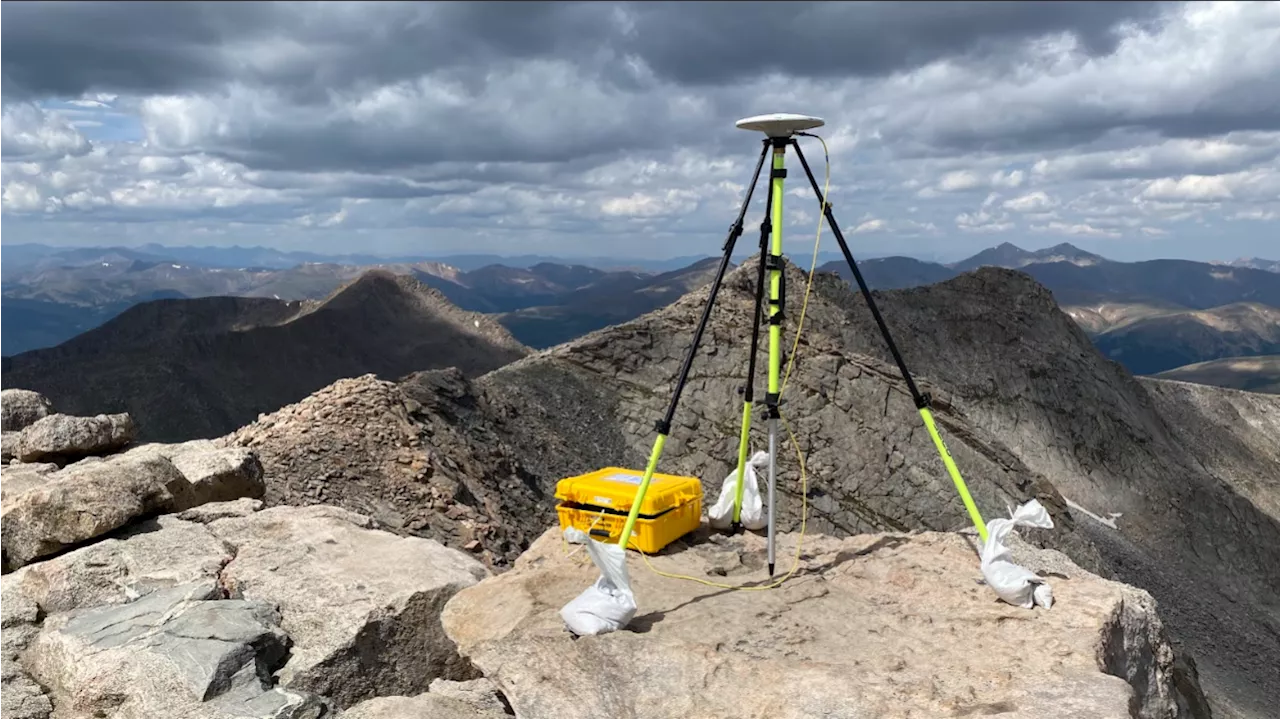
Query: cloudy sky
(1133, 129)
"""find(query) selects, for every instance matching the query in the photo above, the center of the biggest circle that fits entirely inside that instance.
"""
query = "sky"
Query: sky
(1135, 130)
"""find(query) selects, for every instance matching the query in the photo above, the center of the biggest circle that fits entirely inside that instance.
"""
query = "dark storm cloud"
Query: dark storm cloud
(305, 63)
(70, 48)
(707, 43)
(1061, 121)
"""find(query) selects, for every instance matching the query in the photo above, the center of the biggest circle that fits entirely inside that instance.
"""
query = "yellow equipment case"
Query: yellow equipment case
(598, 503)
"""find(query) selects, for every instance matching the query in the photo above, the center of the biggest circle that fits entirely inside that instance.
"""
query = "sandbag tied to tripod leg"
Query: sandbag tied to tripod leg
(609, 604)
(1016, 585)
(720, 515)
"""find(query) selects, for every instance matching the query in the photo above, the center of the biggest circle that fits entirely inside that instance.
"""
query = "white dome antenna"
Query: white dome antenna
(780, 124)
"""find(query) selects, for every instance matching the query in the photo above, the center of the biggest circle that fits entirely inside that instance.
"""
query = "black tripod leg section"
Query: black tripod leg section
(664, 425)
(921, 401)
(735, 231)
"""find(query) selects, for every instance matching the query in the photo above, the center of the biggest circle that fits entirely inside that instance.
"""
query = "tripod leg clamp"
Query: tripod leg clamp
(774, 262)
(735, 231)
(771, 401)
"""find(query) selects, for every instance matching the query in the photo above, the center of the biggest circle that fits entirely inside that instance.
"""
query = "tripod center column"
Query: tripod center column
(777, 281)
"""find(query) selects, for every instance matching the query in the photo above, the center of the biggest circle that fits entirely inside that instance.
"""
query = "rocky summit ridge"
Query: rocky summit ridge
(1028, 408)
(369, 475)
(871, 625)
(230, 609)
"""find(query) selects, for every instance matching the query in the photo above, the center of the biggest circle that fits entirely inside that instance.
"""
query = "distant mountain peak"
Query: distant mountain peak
(225, 359)
(1254, 263)
(1065, 248)
(1006, 254)
(383, 288)
(1010, 256)
(1066, 252)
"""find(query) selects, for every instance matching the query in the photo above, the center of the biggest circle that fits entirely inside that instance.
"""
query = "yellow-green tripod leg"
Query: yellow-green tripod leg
(742, 459)
(954, 471)
(644, 487)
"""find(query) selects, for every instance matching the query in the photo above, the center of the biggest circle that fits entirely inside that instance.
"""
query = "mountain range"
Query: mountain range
(24, 257)
(1152, 316)
(543, 304)
(1256, 263)
(1251, 374)
(201, 367)
(438, 397)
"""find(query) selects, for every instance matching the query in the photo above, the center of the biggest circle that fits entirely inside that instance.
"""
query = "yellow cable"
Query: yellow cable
(822, 213)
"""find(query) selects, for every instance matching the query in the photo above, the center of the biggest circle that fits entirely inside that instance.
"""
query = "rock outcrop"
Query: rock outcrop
(61, 436)
(216, 473)
(360, 605)
(20, 408)
(420, 458)
(240, 613)
(474, 699)
(165, 653)
(884, 625)
(309, 613)
(1186, 476)
(47, 511)
(144, 557)
(72, 497)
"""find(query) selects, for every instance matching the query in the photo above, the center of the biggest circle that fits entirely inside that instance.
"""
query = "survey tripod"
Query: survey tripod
(780, 131)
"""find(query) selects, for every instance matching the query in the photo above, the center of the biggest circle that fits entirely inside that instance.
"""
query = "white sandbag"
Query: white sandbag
(753, 516)
(607, 605)
(1014, 584)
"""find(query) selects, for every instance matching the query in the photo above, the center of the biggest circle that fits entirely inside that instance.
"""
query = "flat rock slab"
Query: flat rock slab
(84, 502)
(46, 511)
(361, 605)
(18, 478)
(879, 626)
(67, 436)
(177, 652)
(151, 555)
(214, 511)
(216, 474)
(20, 408)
